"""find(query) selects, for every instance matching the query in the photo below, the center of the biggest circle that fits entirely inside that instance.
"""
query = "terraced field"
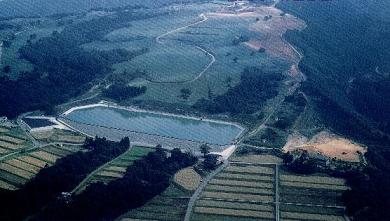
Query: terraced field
(314, 197)
(12, 140)
(188, 179)
(248, 190)
(239, 192)
(58, 135)
(17, 171)
(171, 205)
(114, 169)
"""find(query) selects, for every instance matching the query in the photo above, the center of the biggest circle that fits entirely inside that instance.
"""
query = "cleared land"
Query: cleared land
(327, 144)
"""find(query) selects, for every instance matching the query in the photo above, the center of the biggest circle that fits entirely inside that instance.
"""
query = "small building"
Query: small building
(3, 120)
(213, 160)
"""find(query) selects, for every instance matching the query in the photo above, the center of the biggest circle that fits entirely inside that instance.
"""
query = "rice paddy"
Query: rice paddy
(239, 192)
(241, 183)
(254, 191)
(170, 205)
(188, 178)
(12, 140)
(58, 135)
(311, 197)
(15, 172)
(115, 169)
(251, 169)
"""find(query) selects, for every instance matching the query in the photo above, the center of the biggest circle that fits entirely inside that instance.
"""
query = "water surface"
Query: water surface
(157, 124)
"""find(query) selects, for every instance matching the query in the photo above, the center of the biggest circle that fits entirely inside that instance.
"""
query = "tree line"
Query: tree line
(245, 98)
(144, 179)
(62, 69)
(63, 176)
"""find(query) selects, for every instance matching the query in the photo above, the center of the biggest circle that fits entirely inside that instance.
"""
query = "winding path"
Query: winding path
(159, 39)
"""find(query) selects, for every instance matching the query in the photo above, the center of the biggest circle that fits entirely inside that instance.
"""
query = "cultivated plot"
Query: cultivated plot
(170, 205)
(114, 169)
(311, 197)
(12, 140)
(239, 192)
(15, 172)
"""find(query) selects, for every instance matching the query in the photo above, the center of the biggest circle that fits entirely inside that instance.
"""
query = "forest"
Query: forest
(369, 197)
(344, 44)
(62, 68)
(120, 92)
(143, 180)
(245, 98)
(63, 176)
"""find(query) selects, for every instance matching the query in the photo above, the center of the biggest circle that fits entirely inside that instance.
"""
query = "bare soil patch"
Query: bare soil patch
(327, 144)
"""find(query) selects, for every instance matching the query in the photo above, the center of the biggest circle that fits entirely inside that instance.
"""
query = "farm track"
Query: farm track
(87, 178)
(299, 80)
(35, 144)
(200, 189)
(277, 203)
(205, 69)
(15, 154)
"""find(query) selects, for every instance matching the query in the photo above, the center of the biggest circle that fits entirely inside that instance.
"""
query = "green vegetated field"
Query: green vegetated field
(170, 205)
(58, 135)
(15, 172)
(239, 192)
(215, 35)
(246, 190)
(20, 32)
(12, 140)
(116, 168)
(311, 197)
(124, 44)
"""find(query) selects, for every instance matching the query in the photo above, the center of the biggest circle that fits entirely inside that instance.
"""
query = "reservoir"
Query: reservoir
(112, 119)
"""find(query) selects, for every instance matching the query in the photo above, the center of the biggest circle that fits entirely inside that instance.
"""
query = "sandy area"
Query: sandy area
(271, 30)
(271, 24)
(227, 152)
(327, 144)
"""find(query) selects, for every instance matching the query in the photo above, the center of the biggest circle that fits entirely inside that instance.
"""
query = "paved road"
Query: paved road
(25, 129)
(200, 74)
(158, 38)
(199, 190)
(277, 203)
